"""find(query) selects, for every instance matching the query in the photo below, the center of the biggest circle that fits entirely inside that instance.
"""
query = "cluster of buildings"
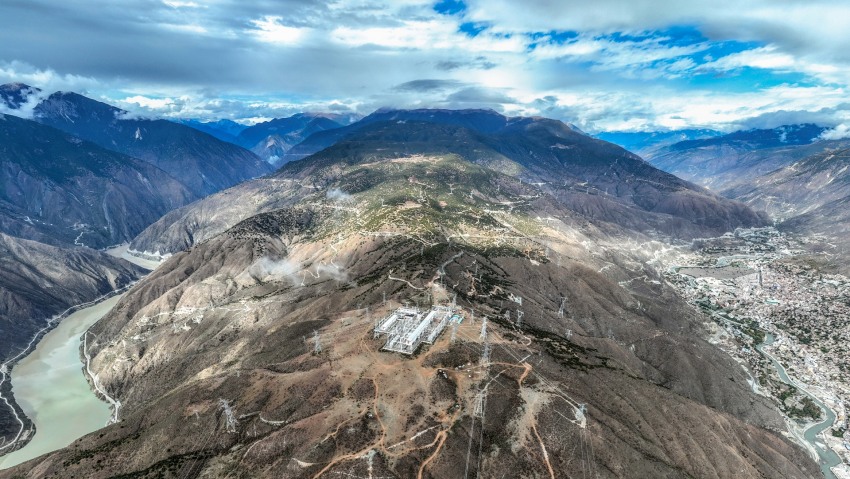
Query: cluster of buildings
(408, 328)
(754, 283)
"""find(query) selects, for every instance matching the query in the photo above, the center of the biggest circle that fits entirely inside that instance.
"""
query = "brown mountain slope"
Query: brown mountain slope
(597, 180)
(604, 372)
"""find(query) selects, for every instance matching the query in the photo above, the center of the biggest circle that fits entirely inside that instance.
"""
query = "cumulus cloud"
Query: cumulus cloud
(608, 64)
(840, 132)
(31, 98)
(822, 117)
(479, 96)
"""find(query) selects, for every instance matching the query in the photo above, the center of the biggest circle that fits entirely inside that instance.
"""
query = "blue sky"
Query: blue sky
(603, 65)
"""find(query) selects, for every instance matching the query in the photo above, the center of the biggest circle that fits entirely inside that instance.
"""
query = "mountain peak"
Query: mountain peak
(13, 95)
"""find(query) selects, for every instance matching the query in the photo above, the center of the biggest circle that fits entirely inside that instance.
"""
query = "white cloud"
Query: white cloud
(270, 29)
(237, 60)
(434, 34)
(149, 103)
(765, 57)
(26, 109)
(46, 79)
(180, 4)
(838, 133)
(338, 196)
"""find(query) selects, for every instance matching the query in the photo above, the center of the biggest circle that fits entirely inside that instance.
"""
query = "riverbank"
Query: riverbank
(827, 458)
(123, 251)
(788, 297)
(50, 389)
(27, 428)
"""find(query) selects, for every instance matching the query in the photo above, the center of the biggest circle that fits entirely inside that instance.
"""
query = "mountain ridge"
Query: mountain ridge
(202, 162)
(533, 150)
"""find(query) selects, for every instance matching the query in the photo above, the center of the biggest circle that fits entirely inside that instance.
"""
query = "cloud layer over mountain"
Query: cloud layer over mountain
(611, 64)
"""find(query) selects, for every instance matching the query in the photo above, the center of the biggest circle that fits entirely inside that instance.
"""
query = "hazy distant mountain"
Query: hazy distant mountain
(58, 189)
(594, 178)
(722, 162)
(645, 143)
(544, 231)
(225, 130)
(201, 162)
(803, 183)
(271, 140)
(811, 194)
(802, 134)
(479, 120)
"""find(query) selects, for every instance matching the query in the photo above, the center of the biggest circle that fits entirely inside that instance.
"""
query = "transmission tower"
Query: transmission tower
(317, 343)
(480, 398)
(485, 354)
(484, 329)
(229, 416)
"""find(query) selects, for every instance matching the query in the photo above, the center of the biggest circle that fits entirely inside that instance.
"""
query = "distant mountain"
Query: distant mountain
(593, 178)
(810, 180)
(723, 162)
(271, 140)
(803, 183)
(58, 189)
(479, 120)
(201, 162)
(224, 130)
(645, 143)
(13, 95)
(802, 134)
(811, 195)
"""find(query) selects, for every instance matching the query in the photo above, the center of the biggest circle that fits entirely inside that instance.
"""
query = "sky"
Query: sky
(603, 65)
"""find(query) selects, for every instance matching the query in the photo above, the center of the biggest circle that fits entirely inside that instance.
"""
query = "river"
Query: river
(827, 458)
(50, 387)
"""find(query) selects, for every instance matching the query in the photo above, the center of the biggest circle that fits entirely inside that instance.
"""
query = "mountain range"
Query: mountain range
(645, 143)
(596, 179)
(225, 130)
(82, 175)
(271, 140)
(789, 172)
(59, 189)
(251, 349)
(201, 162)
